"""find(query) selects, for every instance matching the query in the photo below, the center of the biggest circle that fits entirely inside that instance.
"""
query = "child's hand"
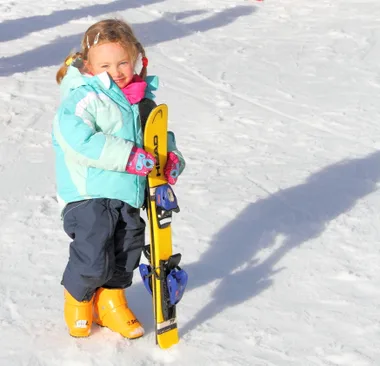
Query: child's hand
(171, 170)
(140, 162)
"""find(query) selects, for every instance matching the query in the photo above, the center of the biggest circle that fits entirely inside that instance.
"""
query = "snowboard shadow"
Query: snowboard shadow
(165, 29)
(281, 222)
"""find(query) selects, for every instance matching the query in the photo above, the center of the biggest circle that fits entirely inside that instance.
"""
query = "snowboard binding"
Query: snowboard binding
(166, 203)
(173, 279)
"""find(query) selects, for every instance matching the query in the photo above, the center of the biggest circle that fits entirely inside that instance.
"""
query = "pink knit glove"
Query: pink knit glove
(140, 162)
(171, 170)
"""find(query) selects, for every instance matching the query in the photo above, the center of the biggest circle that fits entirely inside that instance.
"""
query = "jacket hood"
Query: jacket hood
(72, 80)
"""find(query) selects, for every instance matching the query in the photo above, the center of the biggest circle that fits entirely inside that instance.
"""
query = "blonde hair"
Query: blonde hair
(68, 61)
(106, 31)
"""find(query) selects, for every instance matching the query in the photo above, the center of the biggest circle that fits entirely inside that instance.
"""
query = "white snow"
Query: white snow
(275, 105)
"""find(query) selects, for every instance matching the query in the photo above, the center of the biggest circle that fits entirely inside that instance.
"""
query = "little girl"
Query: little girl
(97, 137)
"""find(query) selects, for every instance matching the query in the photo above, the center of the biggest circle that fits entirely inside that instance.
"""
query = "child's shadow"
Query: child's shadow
(288, 219)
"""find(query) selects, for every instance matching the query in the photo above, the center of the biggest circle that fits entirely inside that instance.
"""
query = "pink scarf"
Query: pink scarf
(135, 90)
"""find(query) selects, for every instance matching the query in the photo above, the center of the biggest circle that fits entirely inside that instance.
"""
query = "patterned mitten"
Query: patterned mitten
(140, 162)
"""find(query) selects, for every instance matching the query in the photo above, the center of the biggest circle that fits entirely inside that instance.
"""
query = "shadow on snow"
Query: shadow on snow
(295, 215)
(167, 28)
(18, 28)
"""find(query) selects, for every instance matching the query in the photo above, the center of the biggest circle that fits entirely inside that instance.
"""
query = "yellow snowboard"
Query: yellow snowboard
(155, 142)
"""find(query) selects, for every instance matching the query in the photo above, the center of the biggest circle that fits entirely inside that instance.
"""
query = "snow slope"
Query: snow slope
(275, 107)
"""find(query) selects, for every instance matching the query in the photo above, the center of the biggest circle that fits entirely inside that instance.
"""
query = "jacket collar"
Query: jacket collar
(74, 79)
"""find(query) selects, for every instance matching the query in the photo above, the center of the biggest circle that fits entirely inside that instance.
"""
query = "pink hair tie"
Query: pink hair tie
(144, 61)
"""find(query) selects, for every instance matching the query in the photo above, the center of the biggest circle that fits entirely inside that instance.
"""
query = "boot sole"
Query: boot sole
(131, 339)
(79, 336)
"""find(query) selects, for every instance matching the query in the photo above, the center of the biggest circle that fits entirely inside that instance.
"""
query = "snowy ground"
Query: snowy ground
(276, 107)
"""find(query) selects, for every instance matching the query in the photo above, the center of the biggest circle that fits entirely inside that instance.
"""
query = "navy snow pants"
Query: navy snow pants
(108, 238)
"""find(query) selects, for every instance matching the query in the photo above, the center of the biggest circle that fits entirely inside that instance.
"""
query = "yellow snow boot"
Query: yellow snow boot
(78, 315)
(111, 310)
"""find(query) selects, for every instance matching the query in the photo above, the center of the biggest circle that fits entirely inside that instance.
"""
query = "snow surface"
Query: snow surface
(275, 105)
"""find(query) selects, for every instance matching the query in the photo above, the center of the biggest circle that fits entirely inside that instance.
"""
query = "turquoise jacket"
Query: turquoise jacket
(94, 131)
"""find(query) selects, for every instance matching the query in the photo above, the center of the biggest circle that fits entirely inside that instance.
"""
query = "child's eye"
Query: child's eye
(104, 66)
(124, 63)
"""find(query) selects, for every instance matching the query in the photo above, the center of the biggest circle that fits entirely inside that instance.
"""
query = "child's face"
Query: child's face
(114, 59)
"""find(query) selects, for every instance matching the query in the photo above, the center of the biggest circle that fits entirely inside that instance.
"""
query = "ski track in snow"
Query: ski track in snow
(275, 107)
